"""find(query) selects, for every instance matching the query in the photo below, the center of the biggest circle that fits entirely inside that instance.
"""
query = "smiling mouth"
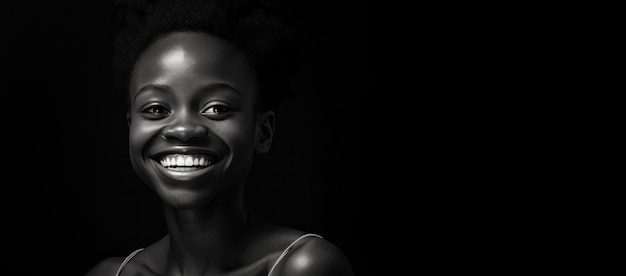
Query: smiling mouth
(186, 162)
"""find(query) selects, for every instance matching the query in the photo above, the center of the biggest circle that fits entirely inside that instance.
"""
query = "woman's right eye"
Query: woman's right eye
(155, 112)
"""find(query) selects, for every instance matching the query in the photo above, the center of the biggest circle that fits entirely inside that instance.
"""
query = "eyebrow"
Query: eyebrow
(219, 86)
(152, 87)
(210, 88)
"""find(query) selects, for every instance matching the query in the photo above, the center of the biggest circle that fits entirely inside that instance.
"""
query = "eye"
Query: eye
(217, 111)
(155, 111)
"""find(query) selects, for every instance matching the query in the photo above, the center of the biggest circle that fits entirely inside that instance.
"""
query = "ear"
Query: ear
(128, 118)
(264, 131)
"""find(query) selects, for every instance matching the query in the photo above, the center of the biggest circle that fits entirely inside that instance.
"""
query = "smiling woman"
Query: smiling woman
(203, 81)
(194, 126)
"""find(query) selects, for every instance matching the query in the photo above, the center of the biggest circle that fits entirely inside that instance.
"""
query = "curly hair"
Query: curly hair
(250, 25)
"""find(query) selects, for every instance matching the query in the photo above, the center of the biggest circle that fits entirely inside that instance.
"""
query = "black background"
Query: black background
(71, 197)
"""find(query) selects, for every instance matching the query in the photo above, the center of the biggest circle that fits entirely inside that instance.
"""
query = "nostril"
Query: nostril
(185, 132)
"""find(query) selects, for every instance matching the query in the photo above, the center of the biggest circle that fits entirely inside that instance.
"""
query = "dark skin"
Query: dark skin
(195, 126)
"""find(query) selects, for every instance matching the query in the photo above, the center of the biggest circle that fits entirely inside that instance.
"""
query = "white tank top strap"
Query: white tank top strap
(130, 256)
(288, 249)
(280, 258)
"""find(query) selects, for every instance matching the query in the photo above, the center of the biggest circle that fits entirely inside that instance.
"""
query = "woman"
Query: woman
(203, 81)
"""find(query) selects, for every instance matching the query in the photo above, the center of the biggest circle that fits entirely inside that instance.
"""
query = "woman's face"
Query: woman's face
(191, 118)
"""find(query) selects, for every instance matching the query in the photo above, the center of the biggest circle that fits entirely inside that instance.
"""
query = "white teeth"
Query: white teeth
(182, 162)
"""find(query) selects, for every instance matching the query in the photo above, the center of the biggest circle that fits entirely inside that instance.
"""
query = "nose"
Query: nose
(185, 131)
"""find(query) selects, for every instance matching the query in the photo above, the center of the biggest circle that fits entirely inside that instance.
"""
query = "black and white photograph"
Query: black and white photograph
(183, 137)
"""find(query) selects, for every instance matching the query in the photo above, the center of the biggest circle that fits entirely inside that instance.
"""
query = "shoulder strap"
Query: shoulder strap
(288, 249)
(130, 256)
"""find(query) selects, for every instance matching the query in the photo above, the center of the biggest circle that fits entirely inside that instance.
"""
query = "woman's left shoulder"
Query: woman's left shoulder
(316, 256)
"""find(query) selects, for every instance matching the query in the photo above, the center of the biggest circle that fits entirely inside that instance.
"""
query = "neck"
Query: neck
(206, 238)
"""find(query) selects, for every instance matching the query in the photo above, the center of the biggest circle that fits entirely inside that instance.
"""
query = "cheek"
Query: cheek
(238, 135)
(139, 135)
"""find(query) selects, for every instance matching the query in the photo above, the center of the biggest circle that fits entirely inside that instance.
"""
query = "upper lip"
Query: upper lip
(184, 150)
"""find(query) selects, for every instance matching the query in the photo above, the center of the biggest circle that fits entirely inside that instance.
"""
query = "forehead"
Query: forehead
(190, 57)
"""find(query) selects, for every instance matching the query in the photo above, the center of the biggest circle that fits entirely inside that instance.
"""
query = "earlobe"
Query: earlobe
(128, 118)
(264, 132)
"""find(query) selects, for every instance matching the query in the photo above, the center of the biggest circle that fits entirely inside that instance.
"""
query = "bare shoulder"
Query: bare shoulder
(106, 267)
(316, 257)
